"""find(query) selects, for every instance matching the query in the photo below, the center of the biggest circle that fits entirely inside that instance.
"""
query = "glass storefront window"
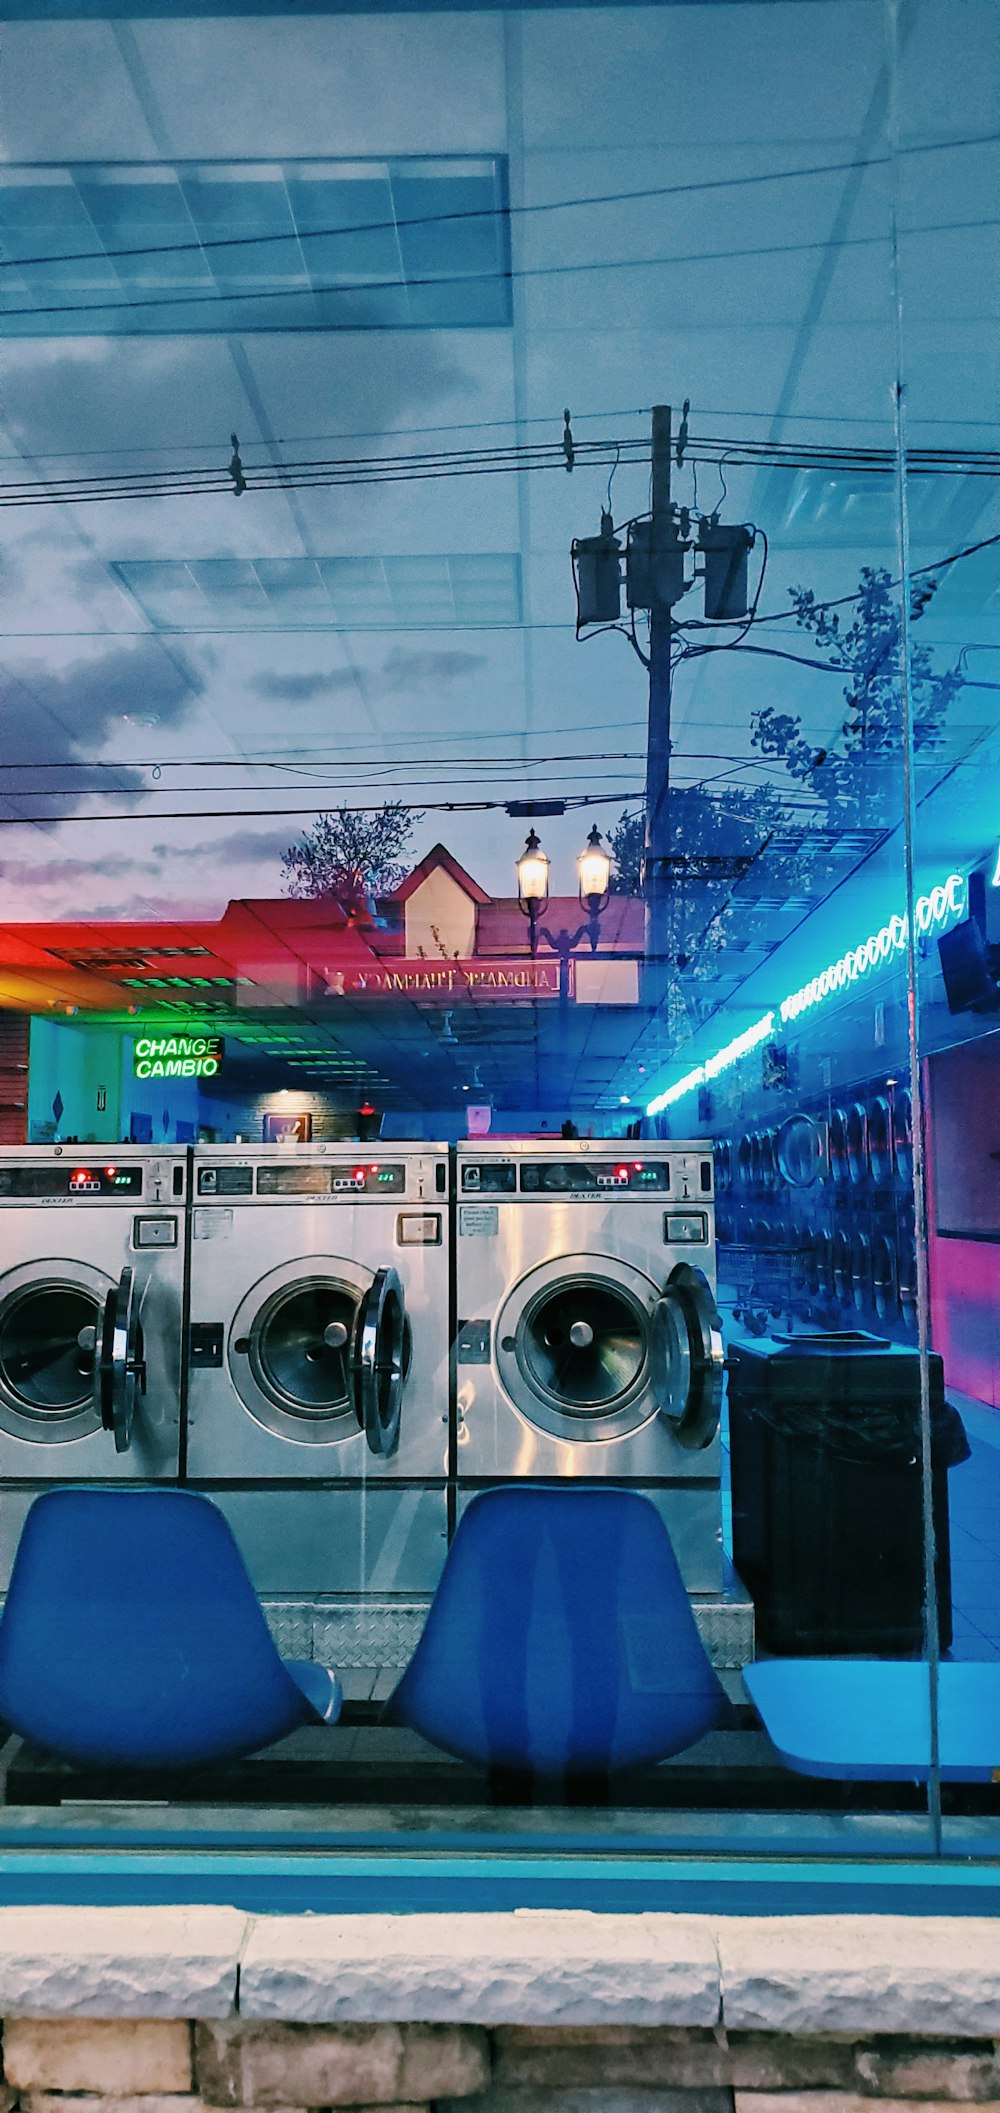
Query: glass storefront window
(478, 446)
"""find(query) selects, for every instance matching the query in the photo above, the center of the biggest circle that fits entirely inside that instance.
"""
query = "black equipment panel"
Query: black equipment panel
(65, 1178)
(353, 1177)
(576, 1177)
(225, 1181)
(490, 1178)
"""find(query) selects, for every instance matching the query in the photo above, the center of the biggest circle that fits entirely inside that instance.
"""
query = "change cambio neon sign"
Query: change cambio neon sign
(945, 902)
(178, 1056)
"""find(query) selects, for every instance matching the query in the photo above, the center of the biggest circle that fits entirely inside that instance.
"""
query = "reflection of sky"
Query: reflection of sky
(416, 639)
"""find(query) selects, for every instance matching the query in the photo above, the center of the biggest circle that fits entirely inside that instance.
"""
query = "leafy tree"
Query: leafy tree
(350, 855)
(626, 842)
(856, 782)
(733, 853)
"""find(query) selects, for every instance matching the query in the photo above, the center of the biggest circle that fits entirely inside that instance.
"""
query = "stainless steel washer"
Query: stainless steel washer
(318, 1379)
(91, 1306)
(588, 1341)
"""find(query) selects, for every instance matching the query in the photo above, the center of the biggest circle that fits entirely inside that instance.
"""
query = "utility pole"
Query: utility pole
(663, 532)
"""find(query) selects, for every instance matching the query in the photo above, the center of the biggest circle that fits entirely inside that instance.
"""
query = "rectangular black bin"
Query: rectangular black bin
(826, 1479)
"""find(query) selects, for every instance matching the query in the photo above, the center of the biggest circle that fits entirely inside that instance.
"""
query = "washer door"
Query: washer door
(51, 1315)
(885, 1278)
(120, 1373)
(686, 1357)
(880, 1140)
(902, 1133)
(378, 1363)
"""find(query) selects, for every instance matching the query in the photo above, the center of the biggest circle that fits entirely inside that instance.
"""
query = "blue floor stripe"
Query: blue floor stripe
(331, 1884)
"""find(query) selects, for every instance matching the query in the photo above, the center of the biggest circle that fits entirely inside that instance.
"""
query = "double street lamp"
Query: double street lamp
(594, 869)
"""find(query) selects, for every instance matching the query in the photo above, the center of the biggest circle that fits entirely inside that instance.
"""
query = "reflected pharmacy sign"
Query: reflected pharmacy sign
(177, 1056)
(424, 981)
(933, 913)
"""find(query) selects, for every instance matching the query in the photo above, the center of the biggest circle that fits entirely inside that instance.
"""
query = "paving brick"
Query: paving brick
(777, 2061)
(601, 2098)
(273, 2065)
(934, 2071)
(842, 2102)
(586, 2055)
(73, 2102)
(118, 2057)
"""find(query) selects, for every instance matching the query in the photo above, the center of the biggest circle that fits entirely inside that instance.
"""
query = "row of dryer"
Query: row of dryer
(342, 1345)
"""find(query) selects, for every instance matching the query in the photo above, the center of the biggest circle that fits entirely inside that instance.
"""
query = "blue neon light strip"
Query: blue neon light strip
(944, 903)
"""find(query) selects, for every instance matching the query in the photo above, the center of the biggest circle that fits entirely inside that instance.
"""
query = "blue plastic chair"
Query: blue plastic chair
(133, 1637)
(560, 1643)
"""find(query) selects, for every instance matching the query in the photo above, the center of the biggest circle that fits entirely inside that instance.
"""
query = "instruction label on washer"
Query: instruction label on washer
(211, 1225)
(478, 1220)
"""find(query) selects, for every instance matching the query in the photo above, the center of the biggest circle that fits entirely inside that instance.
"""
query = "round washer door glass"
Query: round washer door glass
(573, 1348)
(290, 1350)
(49, 1329)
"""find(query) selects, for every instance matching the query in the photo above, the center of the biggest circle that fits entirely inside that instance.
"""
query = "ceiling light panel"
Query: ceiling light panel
(357, 594)
(299, 245)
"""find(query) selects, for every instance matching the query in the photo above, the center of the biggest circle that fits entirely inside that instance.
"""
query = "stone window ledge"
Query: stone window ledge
(845, 1975)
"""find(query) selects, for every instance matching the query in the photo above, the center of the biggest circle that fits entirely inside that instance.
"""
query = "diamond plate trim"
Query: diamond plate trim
(364, 1634)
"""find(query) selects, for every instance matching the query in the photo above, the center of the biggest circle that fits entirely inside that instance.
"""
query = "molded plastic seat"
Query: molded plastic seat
(560, 1642)
(870, 1721)
(133, 1636)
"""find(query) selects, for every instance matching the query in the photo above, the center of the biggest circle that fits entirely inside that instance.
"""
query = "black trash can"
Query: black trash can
(827, 1505)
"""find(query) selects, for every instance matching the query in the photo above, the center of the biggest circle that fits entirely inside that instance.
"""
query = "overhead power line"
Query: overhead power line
(336, 472)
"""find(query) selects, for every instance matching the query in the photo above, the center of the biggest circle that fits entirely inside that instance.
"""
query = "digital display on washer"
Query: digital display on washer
(581, 1177)
(63, 1178)
(355, 1177)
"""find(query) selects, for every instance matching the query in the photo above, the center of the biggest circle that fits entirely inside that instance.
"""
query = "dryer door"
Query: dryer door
(686, 1357)
(120, 1371)
(378, 1363)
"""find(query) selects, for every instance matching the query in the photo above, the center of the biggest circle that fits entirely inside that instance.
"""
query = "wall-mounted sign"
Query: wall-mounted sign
(425, 981)
(287, 1129)
(178, 1056)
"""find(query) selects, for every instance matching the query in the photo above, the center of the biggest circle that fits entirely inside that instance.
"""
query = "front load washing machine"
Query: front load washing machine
(588, 1342)
(319, 1365)
(91, 1311)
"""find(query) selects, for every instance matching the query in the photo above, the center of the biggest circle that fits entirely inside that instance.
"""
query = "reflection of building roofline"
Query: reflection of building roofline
(439, 860)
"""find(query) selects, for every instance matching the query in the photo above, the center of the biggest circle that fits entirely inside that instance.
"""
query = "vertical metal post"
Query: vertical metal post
(658, 737)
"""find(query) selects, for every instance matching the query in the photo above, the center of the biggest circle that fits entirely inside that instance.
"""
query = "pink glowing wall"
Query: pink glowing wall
(964, 1197)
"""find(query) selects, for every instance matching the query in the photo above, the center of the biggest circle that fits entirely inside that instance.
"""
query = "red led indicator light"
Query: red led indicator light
(111, 1172)
(373, 1169)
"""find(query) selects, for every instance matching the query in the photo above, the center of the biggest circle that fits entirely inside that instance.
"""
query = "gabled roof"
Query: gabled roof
(438, 860)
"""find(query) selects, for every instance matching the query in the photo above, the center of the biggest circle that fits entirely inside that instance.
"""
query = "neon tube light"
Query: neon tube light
(944, 902)
(721, 1061)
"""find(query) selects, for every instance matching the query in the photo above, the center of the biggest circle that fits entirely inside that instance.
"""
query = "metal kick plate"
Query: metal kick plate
(473, 1345)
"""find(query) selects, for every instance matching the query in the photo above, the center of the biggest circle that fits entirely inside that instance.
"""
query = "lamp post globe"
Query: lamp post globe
(594, 867)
